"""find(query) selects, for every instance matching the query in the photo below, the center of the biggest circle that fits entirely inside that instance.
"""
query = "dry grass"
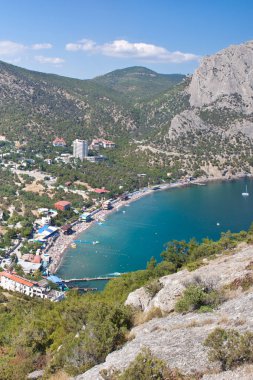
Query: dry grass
(2, 230)
(240, 322)
(142, 317)
(243, 283)
(193, 323)
(130, 336)
(224, 320)
(249, 266)
(60, 375)
(35, 188)
(196, 323)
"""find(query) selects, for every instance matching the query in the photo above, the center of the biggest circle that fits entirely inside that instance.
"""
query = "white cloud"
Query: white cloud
(10, 48)
(140, 50)
(50, 60)
(86, 45)
(42, 46)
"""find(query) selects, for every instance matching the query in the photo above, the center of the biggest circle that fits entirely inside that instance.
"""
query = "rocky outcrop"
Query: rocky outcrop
(184, 122)
(178, 339)
(226, 73)
(219, 272)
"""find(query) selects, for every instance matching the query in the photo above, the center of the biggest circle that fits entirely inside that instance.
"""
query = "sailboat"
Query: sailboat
(245, 194)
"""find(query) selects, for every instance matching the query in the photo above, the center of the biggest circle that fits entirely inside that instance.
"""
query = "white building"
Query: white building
(97, 143)
(80, 149)
(19, 284)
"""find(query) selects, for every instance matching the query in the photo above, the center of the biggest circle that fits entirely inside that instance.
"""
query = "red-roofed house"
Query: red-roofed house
(59, 141)
(16, 283)
(62, 205)
(101, 191)
(19, 284)
(37, 259)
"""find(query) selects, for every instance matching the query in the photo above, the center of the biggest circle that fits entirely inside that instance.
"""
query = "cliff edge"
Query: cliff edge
(178, 338)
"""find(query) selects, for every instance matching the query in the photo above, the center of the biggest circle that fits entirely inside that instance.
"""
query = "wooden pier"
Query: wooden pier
(84, 289)
(87, 279)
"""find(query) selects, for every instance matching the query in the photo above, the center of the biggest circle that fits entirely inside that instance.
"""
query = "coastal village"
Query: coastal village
(30, 264)
(45, 244)
(30, 259)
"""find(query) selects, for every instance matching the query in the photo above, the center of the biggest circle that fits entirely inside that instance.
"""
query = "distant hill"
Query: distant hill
(139, 82)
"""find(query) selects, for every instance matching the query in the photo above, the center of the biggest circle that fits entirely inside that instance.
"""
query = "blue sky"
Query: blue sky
(84, 38)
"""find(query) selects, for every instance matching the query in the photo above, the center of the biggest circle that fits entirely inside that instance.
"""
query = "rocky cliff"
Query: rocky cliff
(220, 95)
(222, 75)
(178, 338)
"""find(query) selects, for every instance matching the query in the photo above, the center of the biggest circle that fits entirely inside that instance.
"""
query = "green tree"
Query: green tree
(151, 264)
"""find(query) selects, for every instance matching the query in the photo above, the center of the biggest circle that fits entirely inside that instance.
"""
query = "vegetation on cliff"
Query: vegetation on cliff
(81, 331)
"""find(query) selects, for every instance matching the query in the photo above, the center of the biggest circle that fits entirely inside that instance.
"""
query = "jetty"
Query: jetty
(84, 289)
(87, 279)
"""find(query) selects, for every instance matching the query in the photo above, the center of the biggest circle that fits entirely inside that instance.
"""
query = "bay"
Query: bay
(130, 236)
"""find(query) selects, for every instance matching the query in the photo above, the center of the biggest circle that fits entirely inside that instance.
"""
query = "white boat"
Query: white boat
(245, 194)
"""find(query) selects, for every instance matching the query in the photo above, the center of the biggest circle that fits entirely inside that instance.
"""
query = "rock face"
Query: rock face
(184, 122)
(220, 97)
(226, 73)
(178, 339)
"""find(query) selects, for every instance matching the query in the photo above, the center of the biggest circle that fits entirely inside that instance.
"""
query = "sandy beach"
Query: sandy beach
(59, 246)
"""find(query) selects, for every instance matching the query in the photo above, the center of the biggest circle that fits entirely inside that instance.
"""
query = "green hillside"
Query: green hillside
(139, 82)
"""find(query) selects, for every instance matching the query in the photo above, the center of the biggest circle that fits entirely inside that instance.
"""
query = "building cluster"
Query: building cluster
(12, 282)
(81, 149)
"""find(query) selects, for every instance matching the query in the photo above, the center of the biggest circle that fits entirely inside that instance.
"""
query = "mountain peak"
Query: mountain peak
(139, 82)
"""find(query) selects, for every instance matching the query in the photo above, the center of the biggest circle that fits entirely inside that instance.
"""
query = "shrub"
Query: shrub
(198, 296)
(3, 298)
(147, 367)
(153, 287)
(193, 265)
(245, 283)
(230, 348)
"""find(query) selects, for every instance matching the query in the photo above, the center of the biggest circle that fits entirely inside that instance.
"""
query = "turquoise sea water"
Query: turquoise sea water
(131, 235)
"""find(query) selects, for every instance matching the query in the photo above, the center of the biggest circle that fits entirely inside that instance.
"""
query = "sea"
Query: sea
(129, 237)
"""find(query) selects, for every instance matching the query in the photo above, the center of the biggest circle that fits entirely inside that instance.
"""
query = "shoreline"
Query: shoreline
(63, 242)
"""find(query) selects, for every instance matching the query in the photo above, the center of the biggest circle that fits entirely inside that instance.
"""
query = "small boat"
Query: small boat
(73, 245)
(245, 194)
(95, 242)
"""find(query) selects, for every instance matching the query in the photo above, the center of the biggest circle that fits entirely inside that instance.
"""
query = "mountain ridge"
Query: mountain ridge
(203, 126)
